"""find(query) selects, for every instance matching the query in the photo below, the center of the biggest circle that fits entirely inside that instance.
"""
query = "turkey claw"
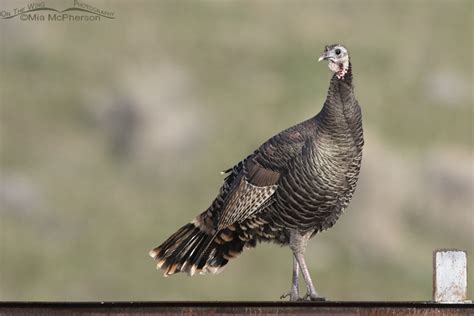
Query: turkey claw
(313, 298)
(291, 295)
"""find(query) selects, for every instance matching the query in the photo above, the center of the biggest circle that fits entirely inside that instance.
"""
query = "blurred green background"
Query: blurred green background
(113, 134)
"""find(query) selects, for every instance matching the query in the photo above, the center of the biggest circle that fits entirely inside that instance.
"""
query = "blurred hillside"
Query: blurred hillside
(113, 133)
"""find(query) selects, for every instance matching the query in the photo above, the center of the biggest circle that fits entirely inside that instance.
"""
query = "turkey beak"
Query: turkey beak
(324, 56)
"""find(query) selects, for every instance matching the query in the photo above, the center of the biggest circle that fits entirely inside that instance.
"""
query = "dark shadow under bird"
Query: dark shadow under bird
(295, 185)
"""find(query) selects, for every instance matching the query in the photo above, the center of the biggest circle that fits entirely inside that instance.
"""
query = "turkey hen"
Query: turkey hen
(293, 186)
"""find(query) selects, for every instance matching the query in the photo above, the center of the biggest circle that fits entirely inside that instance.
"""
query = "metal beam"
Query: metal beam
(234, 308)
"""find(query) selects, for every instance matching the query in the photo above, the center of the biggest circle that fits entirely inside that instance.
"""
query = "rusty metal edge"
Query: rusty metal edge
(248, 304)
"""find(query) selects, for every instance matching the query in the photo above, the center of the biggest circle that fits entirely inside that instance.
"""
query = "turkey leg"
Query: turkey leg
(294, 292)
(298, 246)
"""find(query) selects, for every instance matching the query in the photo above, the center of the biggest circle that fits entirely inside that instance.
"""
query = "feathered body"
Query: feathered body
(299, 180)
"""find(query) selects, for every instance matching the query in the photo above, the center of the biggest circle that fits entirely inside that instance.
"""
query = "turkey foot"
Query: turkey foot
(293, 295)
(313, 297)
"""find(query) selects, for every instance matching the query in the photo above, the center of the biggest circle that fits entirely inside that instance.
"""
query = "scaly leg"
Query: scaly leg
(294, 292)
(298, 246)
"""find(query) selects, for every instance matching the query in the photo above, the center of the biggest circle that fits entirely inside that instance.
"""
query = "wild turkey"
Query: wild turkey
(292, 187)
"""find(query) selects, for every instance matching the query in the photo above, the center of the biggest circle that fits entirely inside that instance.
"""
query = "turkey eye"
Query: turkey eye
(338, 51)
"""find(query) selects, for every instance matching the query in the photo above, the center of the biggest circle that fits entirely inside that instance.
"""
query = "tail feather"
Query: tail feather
(193, 250)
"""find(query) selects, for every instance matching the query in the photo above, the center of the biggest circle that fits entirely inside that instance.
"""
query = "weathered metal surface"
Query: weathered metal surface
(234, 308)
(449, 276)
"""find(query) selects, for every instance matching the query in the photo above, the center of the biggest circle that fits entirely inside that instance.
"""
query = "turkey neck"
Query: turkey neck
(341, 113)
